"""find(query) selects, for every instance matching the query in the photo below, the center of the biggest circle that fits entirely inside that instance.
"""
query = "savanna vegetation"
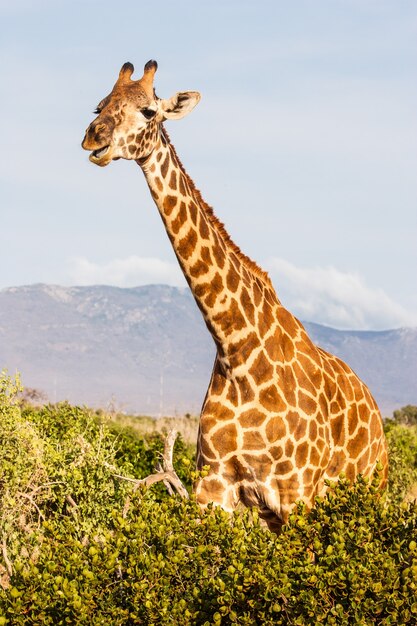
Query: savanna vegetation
(82, 544)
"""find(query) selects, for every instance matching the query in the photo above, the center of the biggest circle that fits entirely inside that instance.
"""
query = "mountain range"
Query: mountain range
(147, 350)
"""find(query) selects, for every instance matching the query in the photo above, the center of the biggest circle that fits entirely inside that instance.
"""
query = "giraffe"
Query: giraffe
(281, 415)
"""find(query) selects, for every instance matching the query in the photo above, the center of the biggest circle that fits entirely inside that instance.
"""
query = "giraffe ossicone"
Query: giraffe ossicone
(281, 415)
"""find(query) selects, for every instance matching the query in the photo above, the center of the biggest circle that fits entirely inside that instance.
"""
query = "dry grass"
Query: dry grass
(187, 426)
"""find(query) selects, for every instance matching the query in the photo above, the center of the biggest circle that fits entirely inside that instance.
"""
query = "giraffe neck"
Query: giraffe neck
(227, 286)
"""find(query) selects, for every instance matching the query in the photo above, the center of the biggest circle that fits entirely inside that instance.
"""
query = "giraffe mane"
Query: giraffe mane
(214, 220)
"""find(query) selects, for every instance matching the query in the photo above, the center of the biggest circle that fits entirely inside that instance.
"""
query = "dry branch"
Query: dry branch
(6, 559)
(166, 473)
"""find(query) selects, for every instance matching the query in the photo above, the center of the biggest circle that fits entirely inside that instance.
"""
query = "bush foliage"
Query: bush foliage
(81, 546)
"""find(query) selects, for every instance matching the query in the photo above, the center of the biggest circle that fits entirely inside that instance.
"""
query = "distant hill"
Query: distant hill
(147, 350)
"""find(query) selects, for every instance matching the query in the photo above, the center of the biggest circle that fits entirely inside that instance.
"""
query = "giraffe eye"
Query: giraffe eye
(148, 113)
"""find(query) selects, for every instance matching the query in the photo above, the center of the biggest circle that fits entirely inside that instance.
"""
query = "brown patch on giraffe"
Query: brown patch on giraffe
(271, 399)
(218, 410)
(230, 320)
(270, 297)
(187, 244)
(302, 379)
(353, 419)
(232, 279)
(297, 425)
(287, 382)
(290, 489)
(132, 149)
(334, 407)
(218, 384)
(260, 465)
(276, 452)
(288, 322)
(337, 463)
(192, 209)
(121, 142)
(315, 456)
(173, 180)
(235, 470)
(164, 166)
(203, 228)
(219, 255)
(350, 472)
(358, 443)
(246, 392)
(287, 347)
(311, 370)
(205, 255)
(257, 292)
(275, 429)
(159, 156)
(232, 395)
(207, 423)
(170, 202)
(253, 440)
(273, 346)
(212, 491)
(337, 426)
(289, 448)
(301, 454)
(323, 406)
(363, 461)
(216, 288)
(261, 369)
(200, 268)
(266, 319)
(225, 439)
(206, 450)
(306, 403)
(152, 167)
(199, 291)
(252, 418)
(312, 431)
(180, 220)
(181, 184)
(307, 475)
(240, 351)
(359, 395)
(284, 467)
(363, 412)
(248, 305)
(375, 424)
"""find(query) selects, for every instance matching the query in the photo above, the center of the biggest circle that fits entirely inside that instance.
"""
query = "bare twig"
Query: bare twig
(165, 473)
(73, 504)
(33, 503)
(7, 561)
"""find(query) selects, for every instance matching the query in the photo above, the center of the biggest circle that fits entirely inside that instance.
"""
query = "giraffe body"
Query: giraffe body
(281, 415)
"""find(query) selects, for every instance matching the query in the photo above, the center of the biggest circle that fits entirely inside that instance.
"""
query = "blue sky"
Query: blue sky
(304, 142)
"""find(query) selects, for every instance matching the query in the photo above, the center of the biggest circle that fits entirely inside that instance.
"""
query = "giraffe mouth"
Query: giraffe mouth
(101, 156)
(98, 154)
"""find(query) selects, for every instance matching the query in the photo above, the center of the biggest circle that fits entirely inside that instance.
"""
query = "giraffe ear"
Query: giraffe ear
(179, 105)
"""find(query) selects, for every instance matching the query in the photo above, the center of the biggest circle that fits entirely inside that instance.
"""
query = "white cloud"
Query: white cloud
(129, 272)
(340, 299)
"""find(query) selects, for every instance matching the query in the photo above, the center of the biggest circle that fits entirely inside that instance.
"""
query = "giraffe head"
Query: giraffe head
(128, 120)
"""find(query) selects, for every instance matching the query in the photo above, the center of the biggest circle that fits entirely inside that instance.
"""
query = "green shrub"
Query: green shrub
(402, 445)
(352, 560)
(81, 546)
